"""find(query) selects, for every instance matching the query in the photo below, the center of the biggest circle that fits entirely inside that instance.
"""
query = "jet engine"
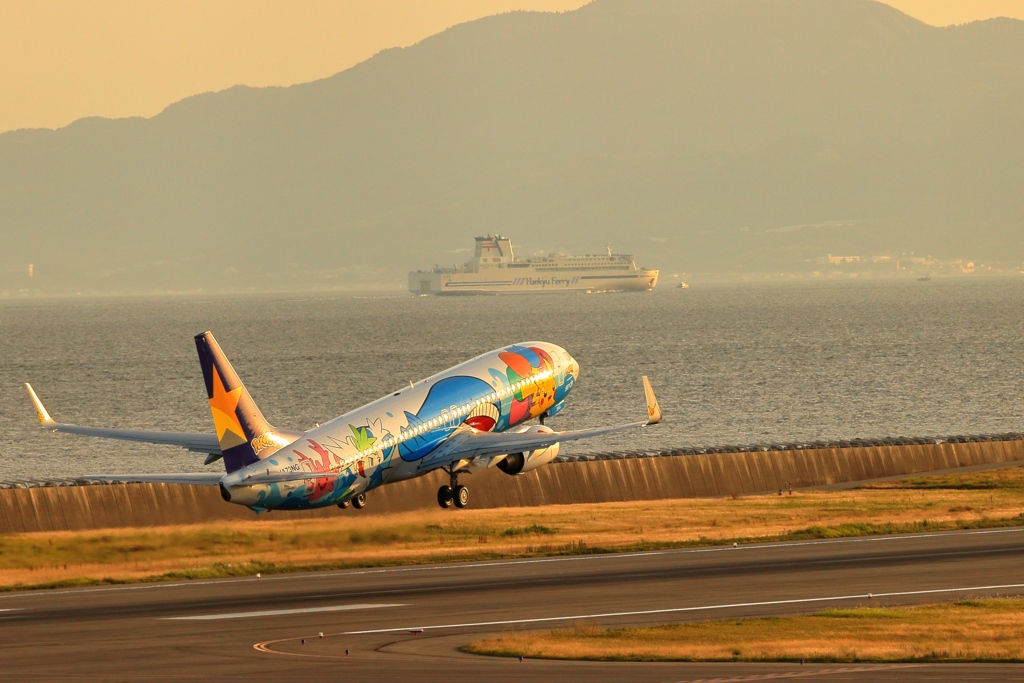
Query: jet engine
(521, 463)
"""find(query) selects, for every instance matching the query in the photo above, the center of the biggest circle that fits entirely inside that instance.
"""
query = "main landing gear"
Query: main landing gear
(359, 502)
(453, 493)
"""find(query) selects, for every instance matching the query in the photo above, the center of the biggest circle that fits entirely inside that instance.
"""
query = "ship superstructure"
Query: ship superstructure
(494, 269)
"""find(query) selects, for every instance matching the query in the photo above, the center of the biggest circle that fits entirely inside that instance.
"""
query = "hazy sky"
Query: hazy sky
(64, 59)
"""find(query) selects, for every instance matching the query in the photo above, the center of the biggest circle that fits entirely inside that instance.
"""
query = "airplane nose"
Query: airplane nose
(565, 362)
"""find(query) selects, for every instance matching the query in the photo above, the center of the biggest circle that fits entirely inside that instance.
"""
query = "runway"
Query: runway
(406, 623)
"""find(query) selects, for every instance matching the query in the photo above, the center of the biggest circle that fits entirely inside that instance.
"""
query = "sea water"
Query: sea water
(731, 364)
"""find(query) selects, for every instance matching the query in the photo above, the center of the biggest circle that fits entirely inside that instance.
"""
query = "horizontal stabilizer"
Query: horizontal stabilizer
(193, 479)
(279, 477)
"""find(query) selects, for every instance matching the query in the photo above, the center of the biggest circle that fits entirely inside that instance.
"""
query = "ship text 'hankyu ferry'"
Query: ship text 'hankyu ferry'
(494, 269)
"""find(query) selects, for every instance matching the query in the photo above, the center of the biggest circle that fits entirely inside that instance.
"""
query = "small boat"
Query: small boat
(683, 285)
(926, 278)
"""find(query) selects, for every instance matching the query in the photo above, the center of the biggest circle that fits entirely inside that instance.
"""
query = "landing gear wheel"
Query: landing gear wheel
(461, 495)
(359, 502)
(444, 496)
(343, 504)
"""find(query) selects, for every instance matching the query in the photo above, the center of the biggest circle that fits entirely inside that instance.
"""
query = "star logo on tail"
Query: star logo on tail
(224, 406)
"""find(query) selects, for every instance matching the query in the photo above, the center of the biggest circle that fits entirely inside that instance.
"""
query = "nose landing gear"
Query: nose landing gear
(453, 493)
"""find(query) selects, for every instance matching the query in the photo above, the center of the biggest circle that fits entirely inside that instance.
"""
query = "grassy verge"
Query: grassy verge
(988, 630)
(975, 500)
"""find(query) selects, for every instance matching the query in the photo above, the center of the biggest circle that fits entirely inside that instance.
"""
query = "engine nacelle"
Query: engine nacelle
(521, 463)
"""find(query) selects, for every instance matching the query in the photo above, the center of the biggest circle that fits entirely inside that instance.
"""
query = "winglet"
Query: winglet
(653, 409)
(44, 416)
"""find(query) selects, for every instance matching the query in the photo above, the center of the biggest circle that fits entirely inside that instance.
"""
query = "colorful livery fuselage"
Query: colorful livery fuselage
(394, 437)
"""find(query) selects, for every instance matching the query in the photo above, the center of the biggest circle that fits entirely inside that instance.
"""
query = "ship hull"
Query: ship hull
(528, 281)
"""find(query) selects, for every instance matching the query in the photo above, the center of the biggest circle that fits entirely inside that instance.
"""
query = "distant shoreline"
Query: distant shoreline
(400, 291)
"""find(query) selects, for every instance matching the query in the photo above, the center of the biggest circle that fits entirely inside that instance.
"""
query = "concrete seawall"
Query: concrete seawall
(68, 508)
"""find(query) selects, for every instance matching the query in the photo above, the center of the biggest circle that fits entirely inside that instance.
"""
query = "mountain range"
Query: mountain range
(734, 136)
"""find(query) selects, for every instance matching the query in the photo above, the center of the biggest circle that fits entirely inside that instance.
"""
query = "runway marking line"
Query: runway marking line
(508, 563)
(265, 646)
(809, 673)
(279, 612)
(699, 608)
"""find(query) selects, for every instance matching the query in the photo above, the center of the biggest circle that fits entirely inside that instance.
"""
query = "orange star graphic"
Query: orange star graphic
(223, 405)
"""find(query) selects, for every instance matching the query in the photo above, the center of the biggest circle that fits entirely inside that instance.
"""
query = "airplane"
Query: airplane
(466, 419)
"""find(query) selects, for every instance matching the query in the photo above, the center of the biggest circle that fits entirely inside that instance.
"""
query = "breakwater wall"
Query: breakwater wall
(594, 478)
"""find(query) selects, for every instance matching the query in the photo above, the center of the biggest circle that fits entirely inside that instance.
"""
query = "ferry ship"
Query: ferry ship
(494, 269)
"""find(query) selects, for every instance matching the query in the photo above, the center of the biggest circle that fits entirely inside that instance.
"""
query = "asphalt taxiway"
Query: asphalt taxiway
(406, 623)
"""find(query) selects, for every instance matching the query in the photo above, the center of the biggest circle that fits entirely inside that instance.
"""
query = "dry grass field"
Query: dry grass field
(991, 498)
(989, 630)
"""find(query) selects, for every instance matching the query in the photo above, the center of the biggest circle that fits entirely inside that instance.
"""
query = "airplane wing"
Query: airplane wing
(468, 443)
(199, 443)
(475, 444)
(471, 443)
(462, 446)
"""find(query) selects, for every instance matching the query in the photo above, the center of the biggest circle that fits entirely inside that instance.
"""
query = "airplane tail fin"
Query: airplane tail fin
(244, 434)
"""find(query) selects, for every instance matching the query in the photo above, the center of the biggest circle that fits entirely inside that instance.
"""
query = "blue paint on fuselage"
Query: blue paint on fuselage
(450, 392)
(432, 399)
